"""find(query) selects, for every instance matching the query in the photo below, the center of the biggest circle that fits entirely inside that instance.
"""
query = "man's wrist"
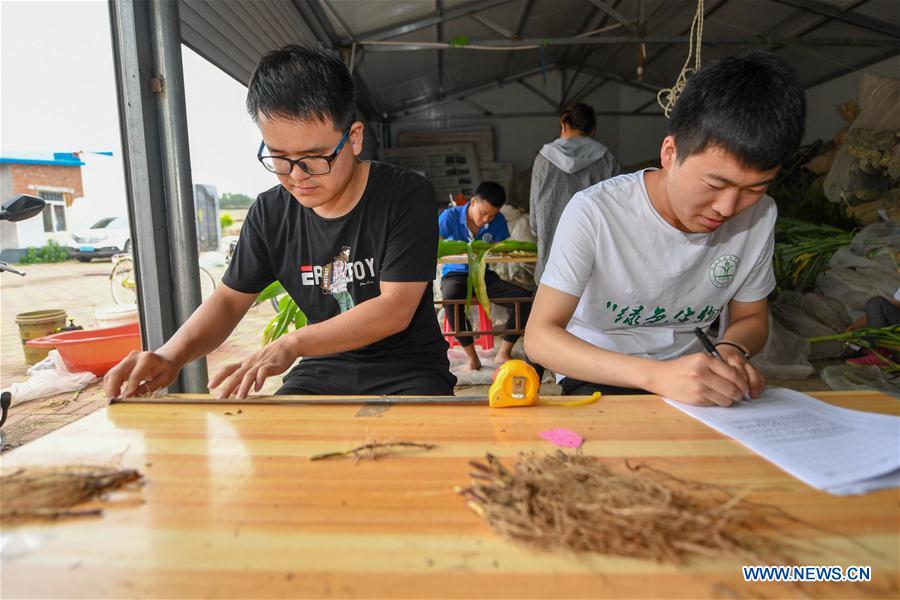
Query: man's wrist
(644, 372)
(732, 348)
(294, 342)
(172, 356)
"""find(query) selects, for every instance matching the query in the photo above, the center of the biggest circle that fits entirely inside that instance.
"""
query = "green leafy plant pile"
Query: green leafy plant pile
(803, 250)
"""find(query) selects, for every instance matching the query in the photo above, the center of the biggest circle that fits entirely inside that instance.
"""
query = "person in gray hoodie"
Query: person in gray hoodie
(562, 168)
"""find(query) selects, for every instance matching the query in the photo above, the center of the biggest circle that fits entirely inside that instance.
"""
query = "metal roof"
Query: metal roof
(56, 159)
(585, 43)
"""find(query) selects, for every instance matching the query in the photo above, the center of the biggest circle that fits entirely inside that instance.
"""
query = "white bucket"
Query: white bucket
(118, 314)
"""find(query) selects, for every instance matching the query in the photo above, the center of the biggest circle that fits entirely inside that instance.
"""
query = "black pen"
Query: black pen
(711, 350)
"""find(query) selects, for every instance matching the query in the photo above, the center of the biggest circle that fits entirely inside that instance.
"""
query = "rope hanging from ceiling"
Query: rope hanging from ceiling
(668, 96)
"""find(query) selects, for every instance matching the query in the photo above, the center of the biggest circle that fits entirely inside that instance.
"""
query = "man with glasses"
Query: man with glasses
(354, 243)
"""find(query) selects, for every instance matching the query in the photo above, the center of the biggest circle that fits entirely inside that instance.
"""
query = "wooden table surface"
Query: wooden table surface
(462, 259)
(233, 507)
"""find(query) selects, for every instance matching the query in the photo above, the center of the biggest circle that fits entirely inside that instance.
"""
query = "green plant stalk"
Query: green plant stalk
(889, 334)
(274, 289)
(288, 313)
(869, 338)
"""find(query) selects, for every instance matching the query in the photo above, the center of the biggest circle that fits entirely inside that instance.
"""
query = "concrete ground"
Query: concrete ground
(80, 289)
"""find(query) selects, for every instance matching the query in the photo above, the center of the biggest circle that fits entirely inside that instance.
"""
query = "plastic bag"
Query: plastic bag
(845, 377)
(866, 268)
(519, 229)
(48, 378)
(517, 221)
(812, 315)
(867, 167)
(784, 355)
(877, 240)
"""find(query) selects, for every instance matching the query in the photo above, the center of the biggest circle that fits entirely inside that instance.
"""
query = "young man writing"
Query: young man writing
(480, 219)
(354, 244)
(642, 259)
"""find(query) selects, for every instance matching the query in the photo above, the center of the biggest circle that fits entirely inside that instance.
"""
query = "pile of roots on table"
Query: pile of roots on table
(53, 492)
(578, 503)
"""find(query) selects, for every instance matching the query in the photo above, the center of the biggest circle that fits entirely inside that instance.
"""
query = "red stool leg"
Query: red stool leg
(486, 341)
(451, 339)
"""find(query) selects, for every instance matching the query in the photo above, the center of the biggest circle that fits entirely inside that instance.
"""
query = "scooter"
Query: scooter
(19, 208)
(15, 209)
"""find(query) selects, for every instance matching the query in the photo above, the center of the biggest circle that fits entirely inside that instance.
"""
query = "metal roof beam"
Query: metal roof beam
(538, 93)
(594, 19)
(427, 101)
(483, 110)
(392, 31)
(522, 115)
(316, 21)
(439, 56)
(638, 85)
(634, 40)
(315, 18)
(517, 33)
(819, 23)
(712, 10)
(612, 12)
(337, 17)
(845, 16)
(586, 54)
(857, 67)
(493, 26)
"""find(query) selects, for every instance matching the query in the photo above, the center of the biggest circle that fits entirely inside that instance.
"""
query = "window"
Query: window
(48, 219)
(55, 212)
(59, 214)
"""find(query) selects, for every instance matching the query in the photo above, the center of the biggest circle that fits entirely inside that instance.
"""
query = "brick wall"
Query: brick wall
(53, 176)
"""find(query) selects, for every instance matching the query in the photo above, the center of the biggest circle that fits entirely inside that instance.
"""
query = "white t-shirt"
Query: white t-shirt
(644, 285)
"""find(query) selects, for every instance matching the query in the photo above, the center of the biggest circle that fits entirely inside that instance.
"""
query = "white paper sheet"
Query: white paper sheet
(835, 449)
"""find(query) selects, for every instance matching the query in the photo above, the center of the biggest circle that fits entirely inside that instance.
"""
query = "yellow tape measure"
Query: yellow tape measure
(518, 384)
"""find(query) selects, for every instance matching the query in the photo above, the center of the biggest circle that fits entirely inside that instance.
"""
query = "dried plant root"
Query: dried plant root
(372, 450)
(577, 503)
(52, 492)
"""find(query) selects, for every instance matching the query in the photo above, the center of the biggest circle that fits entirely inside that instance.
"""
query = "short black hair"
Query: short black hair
(750, 105)
(491, 191)
(307, 84)
(580, 116)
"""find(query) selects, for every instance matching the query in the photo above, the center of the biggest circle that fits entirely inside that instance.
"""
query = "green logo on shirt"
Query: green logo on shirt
(723, 269)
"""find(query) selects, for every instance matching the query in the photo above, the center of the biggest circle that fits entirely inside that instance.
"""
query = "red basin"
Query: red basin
(94, 350)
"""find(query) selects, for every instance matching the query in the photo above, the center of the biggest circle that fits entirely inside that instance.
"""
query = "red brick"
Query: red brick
(46, 175)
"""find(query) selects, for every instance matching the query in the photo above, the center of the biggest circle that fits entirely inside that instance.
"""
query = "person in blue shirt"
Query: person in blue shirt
(480, 219)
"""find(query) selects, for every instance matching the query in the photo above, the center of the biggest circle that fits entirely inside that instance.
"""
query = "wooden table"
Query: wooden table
(492, 259)
(232, 506)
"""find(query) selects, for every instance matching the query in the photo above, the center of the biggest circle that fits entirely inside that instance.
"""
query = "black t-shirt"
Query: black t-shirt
(330, 265)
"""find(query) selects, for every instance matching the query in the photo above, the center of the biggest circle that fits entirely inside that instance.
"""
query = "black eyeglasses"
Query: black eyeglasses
(312, 165)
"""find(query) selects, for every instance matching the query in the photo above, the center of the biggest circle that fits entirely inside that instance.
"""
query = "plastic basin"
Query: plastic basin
(94, 350)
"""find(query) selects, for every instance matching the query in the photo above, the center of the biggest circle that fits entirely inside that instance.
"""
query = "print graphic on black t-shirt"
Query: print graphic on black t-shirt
(335, 278)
